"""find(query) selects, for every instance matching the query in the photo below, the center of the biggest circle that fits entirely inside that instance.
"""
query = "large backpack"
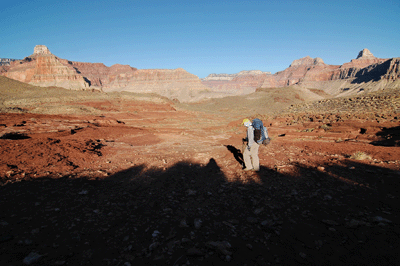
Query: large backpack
(260, 132)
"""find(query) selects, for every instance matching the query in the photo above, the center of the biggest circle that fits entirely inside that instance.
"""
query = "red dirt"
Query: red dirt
(129, 188)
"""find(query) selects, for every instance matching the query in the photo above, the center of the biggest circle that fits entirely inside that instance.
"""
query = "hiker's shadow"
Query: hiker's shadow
(236, 153)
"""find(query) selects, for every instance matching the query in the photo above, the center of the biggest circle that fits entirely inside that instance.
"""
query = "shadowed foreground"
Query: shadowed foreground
(190, 213)
(115, 180)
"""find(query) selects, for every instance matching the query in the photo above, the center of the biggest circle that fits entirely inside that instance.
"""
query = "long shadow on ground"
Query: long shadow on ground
(192, 213)
(390, 137)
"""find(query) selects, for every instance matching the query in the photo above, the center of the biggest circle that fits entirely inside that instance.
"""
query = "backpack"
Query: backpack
(260, 132)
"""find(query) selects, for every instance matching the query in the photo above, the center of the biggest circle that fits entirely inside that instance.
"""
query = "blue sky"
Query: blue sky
(202, 37)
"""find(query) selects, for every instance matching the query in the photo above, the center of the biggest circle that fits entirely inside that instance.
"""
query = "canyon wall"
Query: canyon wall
(366, 73)
(363, 74)
(43, 68)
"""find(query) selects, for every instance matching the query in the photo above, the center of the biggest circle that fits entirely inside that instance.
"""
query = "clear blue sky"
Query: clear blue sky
(202, 37)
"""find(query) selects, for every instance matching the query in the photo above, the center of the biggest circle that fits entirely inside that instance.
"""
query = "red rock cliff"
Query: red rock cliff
(42, 68)
(365, 73)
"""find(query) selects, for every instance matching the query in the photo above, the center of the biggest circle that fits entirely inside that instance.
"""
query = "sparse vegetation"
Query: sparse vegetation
(326, 127)
(360, 156)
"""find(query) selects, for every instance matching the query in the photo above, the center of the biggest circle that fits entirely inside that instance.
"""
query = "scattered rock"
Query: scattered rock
(252, 220)
(191, 192)
(221, 246)
(197, 223)
(330, 222)
(195, 252)
(353, 223)
(32, 257)
(380, 219)
(6, 238)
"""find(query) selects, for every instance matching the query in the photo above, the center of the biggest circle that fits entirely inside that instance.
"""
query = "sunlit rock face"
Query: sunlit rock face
(42, 68)
(41, 50)
(365, 73)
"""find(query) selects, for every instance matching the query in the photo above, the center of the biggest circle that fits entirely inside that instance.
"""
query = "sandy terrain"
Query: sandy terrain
(157, 184)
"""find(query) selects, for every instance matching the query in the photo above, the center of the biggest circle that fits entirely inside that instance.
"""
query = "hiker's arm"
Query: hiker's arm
(266, 132)
(250, 136)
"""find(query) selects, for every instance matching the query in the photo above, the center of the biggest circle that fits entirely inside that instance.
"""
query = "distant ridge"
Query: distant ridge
(232, 76)
(6, 61)
(363, 74)
(44, 69)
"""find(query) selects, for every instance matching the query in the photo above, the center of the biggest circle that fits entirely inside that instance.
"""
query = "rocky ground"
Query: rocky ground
(155, 184)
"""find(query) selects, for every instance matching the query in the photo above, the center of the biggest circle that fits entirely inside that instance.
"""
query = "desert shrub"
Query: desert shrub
(326, 127)
(360, 155)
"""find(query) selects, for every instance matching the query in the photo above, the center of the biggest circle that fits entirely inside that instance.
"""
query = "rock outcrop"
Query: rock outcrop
(43, 68)
(41, 50)
(363, 74)
(171, 83)
(296, 72)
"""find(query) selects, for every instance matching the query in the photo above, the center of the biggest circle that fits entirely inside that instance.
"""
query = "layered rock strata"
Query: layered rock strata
(42, 68)
(363, 74)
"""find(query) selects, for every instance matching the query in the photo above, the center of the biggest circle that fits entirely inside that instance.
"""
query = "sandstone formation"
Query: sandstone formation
(44, 69)
(363, 74)
(172, 83)
(41, 50)
(295, 72)
(314, 73)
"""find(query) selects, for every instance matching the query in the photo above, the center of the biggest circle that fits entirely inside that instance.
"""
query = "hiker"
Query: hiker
(250, 149)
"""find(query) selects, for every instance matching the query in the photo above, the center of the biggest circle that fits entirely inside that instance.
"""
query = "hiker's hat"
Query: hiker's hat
(245, 121)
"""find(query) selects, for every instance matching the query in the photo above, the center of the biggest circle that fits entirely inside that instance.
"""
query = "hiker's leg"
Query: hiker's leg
(254, 156)
(247, 159)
